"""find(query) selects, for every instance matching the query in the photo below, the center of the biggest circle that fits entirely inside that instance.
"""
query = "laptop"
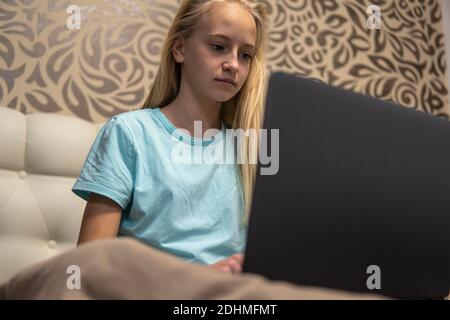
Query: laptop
(361, 199)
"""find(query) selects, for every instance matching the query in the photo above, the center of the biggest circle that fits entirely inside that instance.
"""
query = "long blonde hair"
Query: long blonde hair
(245, 110)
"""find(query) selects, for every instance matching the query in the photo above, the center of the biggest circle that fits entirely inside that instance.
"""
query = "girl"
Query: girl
(212, 70)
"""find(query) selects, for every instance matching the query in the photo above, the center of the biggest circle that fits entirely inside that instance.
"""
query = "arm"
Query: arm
(101, 219)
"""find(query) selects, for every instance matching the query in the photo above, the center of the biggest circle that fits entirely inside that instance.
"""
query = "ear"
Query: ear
(178, 50)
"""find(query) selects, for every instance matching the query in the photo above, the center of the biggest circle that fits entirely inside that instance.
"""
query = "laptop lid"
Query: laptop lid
(361, 200)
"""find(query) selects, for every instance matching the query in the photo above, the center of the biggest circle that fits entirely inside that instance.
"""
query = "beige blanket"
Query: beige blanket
(126, 269)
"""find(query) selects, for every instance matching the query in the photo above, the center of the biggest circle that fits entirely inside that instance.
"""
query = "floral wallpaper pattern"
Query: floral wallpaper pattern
(108, 65)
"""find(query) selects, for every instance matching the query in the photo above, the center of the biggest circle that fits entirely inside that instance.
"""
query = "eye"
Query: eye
(247, 56)
(218, 47)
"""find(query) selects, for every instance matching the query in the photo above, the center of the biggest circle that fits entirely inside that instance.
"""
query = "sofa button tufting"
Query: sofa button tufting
(52, 244)
(22, 174)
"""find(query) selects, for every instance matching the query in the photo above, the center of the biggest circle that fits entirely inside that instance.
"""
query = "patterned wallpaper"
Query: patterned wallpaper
(107, 66)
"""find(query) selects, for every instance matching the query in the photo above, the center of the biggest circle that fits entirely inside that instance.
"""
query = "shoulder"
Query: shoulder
(134, 122)
(141, 126)
(129, 117)
(135, 117)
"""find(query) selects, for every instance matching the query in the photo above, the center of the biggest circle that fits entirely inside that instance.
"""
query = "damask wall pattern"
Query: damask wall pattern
(108, 65)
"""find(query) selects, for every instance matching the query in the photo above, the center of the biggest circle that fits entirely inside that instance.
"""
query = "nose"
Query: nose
(232, 63)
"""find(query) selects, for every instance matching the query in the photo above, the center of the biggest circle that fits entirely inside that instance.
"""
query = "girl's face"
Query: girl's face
(221, 48)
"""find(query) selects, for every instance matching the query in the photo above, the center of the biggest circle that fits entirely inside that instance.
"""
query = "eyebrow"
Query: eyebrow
(218, 35)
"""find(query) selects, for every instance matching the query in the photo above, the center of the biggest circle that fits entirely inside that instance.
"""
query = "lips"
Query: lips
(230, 81)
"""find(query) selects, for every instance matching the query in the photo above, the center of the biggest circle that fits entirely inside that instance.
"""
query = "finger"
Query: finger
(220, 263)
(226, 269)
(235, 266)
(239, 257)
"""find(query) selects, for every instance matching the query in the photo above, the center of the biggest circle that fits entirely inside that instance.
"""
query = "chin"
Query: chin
(223, 98)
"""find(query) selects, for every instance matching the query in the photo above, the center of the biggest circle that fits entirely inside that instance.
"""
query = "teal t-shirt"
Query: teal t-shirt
(190, 210)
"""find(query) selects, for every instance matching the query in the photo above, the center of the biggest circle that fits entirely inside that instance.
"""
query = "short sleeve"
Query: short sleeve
(110, 165)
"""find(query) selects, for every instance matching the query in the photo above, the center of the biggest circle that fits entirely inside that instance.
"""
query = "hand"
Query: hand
(232, 264)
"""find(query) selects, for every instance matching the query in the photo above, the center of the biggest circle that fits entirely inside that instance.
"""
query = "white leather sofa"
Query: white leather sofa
(40, 156)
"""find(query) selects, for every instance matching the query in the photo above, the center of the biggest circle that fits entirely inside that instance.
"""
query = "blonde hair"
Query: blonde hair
(245, 110)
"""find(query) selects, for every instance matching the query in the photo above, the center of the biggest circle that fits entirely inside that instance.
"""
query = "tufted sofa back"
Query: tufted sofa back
(40, 157)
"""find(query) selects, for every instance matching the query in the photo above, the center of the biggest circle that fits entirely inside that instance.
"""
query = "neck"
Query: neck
(187, 108)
